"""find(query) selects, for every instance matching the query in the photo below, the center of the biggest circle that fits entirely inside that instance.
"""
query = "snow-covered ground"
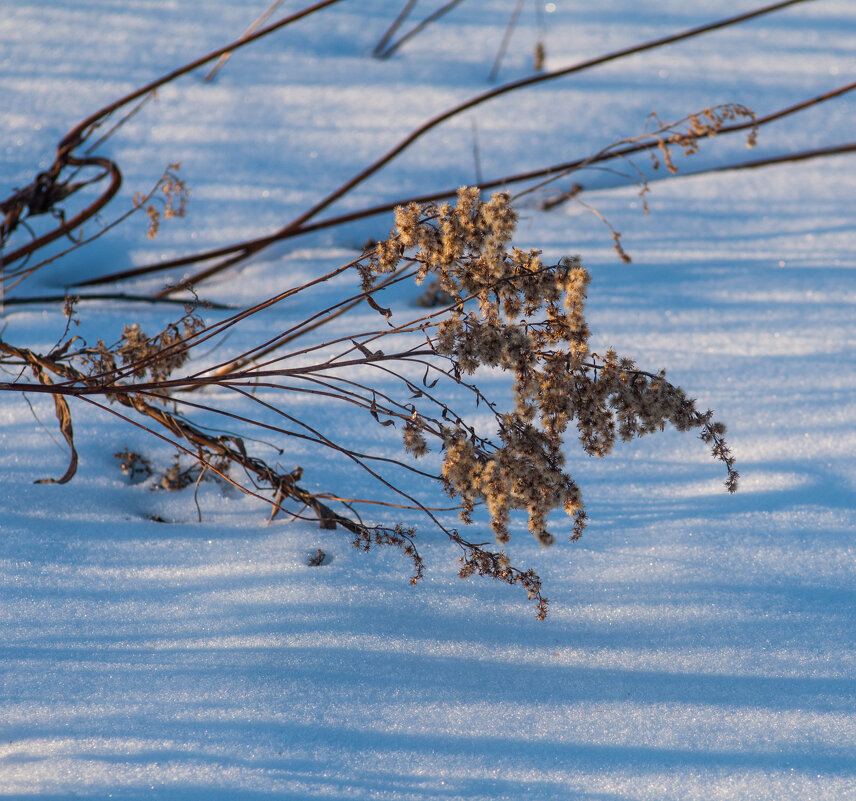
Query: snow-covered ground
(698, 646)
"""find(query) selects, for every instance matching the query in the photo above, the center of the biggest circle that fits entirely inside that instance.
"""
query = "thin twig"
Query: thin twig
(260, 21)
(506, 38)
(120, 297)
(79, 134)
(416, 29)
(396, 24)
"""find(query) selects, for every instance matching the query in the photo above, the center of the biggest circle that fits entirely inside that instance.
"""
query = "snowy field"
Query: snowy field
(699, 645)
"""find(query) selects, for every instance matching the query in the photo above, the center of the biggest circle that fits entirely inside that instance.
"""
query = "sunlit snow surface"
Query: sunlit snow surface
(699, 645)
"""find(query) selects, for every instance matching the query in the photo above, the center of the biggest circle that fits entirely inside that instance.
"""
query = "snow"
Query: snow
(698, 646)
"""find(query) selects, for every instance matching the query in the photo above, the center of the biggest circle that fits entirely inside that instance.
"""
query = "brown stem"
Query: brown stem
(552, 172)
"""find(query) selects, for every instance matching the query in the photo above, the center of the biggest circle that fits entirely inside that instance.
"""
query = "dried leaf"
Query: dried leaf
(425, 380)
(387, 313)
(63, 415)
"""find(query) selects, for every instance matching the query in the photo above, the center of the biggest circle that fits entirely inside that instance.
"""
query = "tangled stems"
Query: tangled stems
(506, 312)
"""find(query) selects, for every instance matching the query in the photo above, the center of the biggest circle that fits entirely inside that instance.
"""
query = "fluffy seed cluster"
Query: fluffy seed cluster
(159, 355)
(511, 311)
(414, 441)
(144, 356)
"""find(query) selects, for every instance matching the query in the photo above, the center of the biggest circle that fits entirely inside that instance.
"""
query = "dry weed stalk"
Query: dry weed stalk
(509, 312)
(51, 189)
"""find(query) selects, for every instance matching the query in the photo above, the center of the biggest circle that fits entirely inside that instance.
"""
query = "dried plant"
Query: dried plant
(384, 48)
(492, 310)
(174, 201)
(688, 132)
(508, 312)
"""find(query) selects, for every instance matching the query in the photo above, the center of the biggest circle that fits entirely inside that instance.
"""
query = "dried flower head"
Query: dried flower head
(509, 310)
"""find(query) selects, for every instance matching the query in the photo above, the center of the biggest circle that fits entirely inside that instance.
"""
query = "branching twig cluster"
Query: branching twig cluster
(508, 311)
